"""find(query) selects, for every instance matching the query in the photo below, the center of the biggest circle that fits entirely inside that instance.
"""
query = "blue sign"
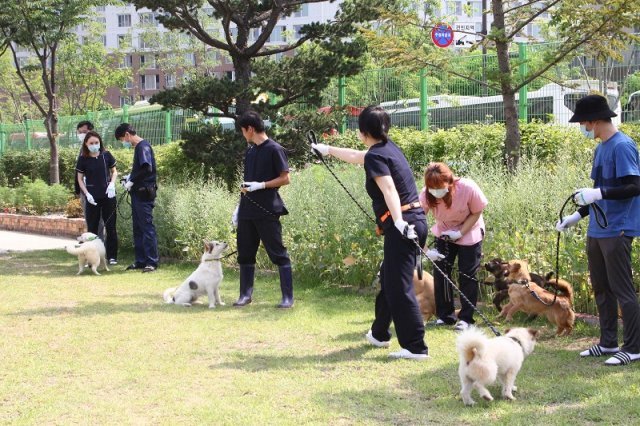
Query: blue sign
(442, 35)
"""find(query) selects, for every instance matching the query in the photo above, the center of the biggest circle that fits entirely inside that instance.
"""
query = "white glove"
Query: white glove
(321, 148)
(434, 255)
(90, 199)
(127, 185)
(253, 186)
(111, 190)
(234, 217)
(126, 177)
(452, 235)
(587, 196)
(405, 229)
(567, 222)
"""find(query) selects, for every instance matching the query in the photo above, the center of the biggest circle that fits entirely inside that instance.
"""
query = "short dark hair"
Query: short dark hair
(124, 128)
(374, 121)
(85, 123)
(85, 150)
(251, 119)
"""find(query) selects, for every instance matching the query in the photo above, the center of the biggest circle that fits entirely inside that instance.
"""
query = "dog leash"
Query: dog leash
(311, 138)
(462, 295)
(222, 257)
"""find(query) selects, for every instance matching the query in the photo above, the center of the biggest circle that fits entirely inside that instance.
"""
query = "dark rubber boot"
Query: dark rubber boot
(286, 286)
(247, 273)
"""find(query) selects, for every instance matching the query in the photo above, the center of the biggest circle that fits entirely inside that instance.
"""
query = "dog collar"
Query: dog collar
(517, 341)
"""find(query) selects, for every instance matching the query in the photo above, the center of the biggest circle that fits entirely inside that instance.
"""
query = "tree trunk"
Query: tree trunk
(512, 137)
(242, 67)
(51, 124)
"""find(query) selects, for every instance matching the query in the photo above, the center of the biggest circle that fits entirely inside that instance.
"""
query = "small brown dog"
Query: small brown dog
(521, 298)
(506, 273)
(424, 293)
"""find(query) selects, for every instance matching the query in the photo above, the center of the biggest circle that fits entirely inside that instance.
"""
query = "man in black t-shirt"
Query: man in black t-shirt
(258, 214)
(142, 186)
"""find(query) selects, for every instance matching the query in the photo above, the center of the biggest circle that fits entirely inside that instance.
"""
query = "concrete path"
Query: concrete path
(20, 241)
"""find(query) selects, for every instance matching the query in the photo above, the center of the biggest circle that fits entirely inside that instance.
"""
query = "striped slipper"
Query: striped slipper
(622, 358)
(597, 350)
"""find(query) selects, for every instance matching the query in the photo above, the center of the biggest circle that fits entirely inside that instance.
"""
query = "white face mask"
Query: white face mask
(438, 193)
(588, 133)
(81, 136)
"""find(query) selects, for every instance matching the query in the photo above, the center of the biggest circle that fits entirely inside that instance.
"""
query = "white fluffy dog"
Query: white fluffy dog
(483, 360)
(205, 279)
(90, 251)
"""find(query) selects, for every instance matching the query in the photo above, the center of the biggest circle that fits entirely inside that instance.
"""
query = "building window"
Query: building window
(149, 82)
(148, 61)
(148, 18)
(100, 8)
(103, 40)
(190, 58)
(125, 100)
(303, 11)
(169, 81)
(127, 62)
(278, 34)
(124, 41)
(124, 21)
(128, 84)
(101, 20)
(296, 31)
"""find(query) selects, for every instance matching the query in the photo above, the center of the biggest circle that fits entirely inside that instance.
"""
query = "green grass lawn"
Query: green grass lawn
(107, 350)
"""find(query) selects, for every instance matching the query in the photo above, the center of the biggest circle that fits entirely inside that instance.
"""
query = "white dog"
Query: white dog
(90, 251)
(205, 279)
(482, 360)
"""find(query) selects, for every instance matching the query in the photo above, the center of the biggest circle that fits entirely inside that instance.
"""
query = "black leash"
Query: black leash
(601, 220)
(462, 295)
(311, 137)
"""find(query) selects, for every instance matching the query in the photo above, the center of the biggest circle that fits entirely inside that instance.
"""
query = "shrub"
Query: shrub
(37, 197)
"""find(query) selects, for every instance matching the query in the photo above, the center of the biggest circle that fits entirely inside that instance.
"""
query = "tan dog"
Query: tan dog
(424, 293)
(90, 251)
(483, 360)
(521, 298)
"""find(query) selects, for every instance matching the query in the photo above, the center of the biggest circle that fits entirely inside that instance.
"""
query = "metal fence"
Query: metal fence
(425, 100)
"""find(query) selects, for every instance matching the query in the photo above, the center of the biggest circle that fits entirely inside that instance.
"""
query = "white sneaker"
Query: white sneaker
(405, 354)
(461, 326)
(375, 342)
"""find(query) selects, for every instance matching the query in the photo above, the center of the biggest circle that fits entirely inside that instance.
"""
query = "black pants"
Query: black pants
(610, 272)
(145, 240)
(269, 231)
(105, 210)
(397, 299)
(468, 264)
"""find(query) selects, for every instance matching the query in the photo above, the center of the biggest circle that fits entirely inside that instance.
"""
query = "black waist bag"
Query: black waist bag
(147, 193)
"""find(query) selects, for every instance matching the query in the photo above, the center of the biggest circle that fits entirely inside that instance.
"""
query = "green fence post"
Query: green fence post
(125, 113)
(342, 101)
(3, 137)
(424, 101)
(167, 126)
(523, 69)
(27, 133)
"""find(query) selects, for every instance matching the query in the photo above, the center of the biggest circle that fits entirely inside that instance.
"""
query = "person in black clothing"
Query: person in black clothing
(258, 215)
(97, 174)
(394, 197)
(82, 129)
(142, 186)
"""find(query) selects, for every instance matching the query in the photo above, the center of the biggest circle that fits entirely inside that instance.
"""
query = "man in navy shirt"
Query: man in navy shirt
(142, 186)
(258, 214)
(616, 178)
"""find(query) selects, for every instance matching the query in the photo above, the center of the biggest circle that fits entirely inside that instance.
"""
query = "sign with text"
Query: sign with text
(465, 33)
(442, 35)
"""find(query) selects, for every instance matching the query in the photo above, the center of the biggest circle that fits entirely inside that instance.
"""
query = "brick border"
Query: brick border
(45, 225)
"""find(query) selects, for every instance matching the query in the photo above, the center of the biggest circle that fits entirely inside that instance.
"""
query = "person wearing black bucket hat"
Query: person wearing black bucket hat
(616, 176)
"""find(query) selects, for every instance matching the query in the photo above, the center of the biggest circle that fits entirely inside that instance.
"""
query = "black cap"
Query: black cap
(592, 107)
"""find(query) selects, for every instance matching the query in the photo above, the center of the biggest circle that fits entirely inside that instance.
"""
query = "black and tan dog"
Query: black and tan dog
(506, 273)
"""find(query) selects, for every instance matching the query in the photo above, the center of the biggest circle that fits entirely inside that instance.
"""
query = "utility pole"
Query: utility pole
(484, 47)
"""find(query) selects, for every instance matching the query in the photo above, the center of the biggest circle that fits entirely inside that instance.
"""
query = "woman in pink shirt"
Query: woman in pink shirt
(456, 205)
